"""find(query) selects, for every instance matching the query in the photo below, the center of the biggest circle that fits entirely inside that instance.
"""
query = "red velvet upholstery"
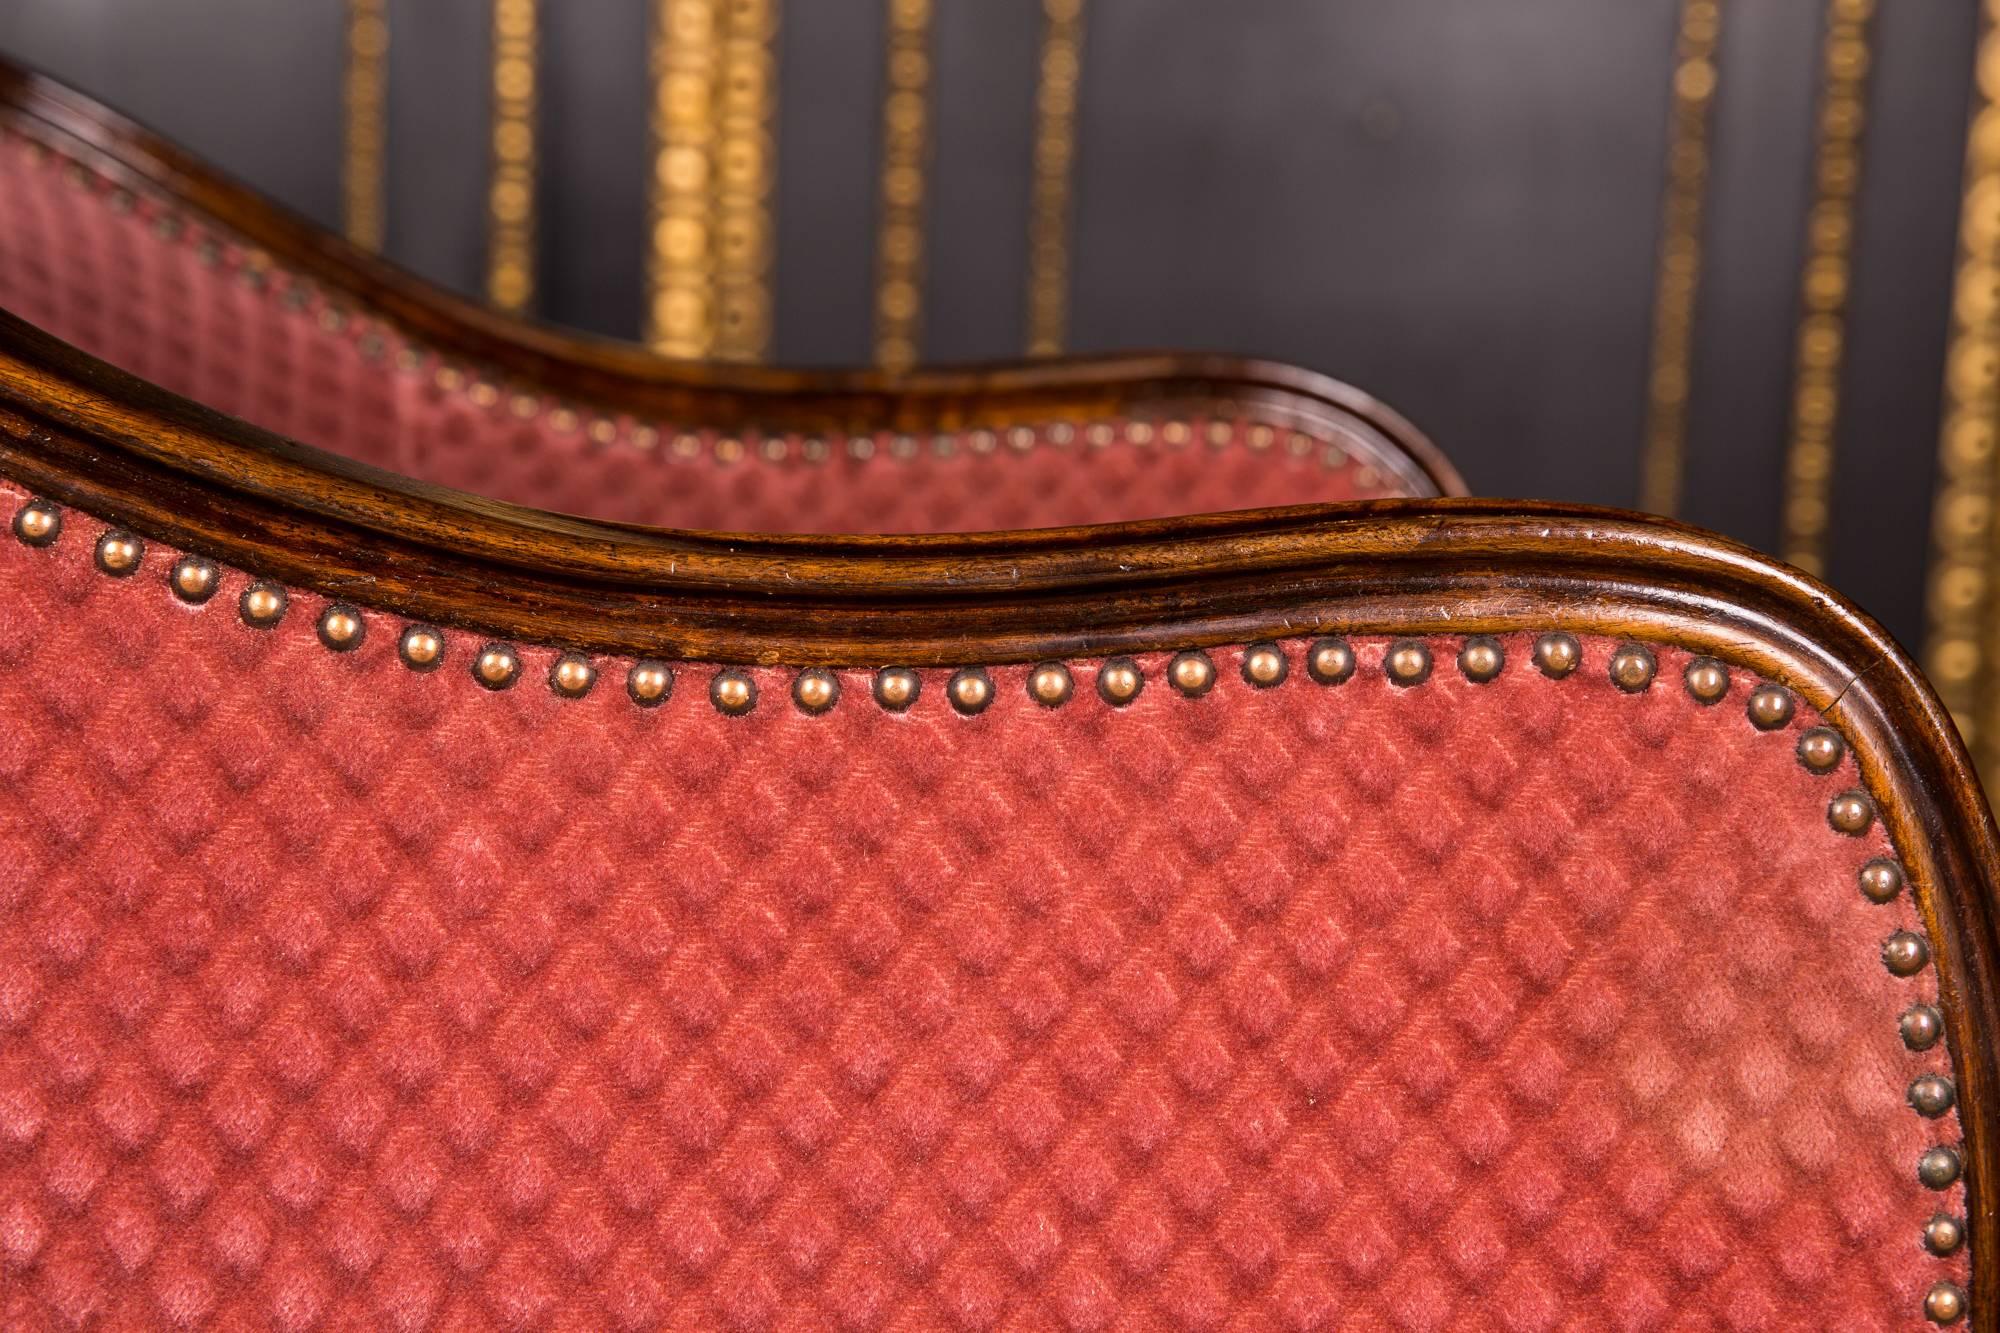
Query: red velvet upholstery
(333, 995)
(187, 309)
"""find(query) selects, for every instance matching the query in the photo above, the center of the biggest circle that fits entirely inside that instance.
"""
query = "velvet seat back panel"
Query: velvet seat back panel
(338, 995)
(191, 310)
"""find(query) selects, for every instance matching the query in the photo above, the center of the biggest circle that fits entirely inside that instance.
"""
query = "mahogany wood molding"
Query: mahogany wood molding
(621, 377)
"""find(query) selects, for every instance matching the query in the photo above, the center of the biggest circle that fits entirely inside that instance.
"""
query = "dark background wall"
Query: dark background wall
(1452, 203)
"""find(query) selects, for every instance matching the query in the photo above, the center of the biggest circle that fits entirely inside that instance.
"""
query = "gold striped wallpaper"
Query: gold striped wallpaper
(1963, 642)
(1823, 286)
(364, 92)
(510, 194)
(1059, 71)
(899, 237)
(1664, 448)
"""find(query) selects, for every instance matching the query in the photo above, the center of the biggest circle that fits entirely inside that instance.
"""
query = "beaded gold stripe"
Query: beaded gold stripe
(510, 197)
(680, 318)
(1824, 285)
(1663, 457)
(1060, 71)
(1959, 648)
(745, 152)
(899, 240)
(364, 94)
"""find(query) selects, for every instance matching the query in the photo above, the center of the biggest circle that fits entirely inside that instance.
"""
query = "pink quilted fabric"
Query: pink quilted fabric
(191, 310)
(337, 996)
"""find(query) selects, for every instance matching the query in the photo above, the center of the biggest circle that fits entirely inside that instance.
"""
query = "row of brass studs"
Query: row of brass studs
(1905, 954)
(1329, 661)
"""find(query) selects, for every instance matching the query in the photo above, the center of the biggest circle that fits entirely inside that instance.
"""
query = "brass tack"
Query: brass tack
(262, 605)
(815, 690)
(1881, 880)
(1330, 661)
(1906, 953)
(1633, 667)
(119, 553)
(970, 689)
(37, 523)
(1770, 707)
(1481, 659)
(1851, 813)
(1921, 1025)
(421, 647)
(1931, 1096)
(1707, 680)
(572, 676)
(733, 692)
(1820, 749)
(341, 628)
(1051, 685)
(1192, 672)
(1944, 1303)
(896, 688)
(1944, 1234)
(649, 683)
(497, 666)
(194, 580)
(1408, 663)
(1119, 681)
(1265, 665)
(1939, 1167)
(1558, 654)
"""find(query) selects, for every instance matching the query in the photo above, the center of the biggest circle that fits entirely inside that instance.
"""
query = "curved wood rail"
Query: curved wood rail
(622, 377)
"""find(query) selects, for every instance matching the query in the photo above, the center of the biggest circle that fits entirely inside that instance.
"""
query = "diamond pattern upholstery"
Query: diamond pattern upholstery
(190, 309)
(333, 995)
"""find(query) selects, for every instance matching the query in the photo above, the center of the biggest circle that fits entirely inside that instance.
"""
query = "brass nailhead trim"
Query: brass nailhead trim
(1482, 659)
(1119, 681)
(572, 675)
(119, 554)
(1921, 1025)
(1820, 749)
(341, 627)
(1944, 1303)
(649, 683)
(1906, 953)
(1193, 673)
(497, 666)
(1265, 665)
(1881, 880)
(38, 523)
(1770, 707)
(1944, 1234)
(1330, 661)
(1407, 663)
(733, 692)
(1707, 680)
(1557, 655)
(1633, 667)
(1051, 685)
(194, 580)
(1851, 813)
(815, 690)
(897, 688)
(421, 647)
(262, 605)
(1931, 1096)
(1939, 1167)
(970, 690)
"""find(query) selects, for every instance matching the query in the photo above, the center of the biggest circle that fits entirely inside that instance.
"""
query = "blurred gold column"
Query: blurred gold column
(1822, 335)
(1960, 648)
(1055, 165)
(1663, 456)
(510, 198)
(744, 153)
(708, 262)
(364, 93)
(899, 240)
(680, 263)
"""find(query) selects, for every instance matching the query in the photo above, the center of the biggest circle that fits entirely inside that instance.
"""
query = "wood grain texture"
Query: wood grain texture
(86, 435)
